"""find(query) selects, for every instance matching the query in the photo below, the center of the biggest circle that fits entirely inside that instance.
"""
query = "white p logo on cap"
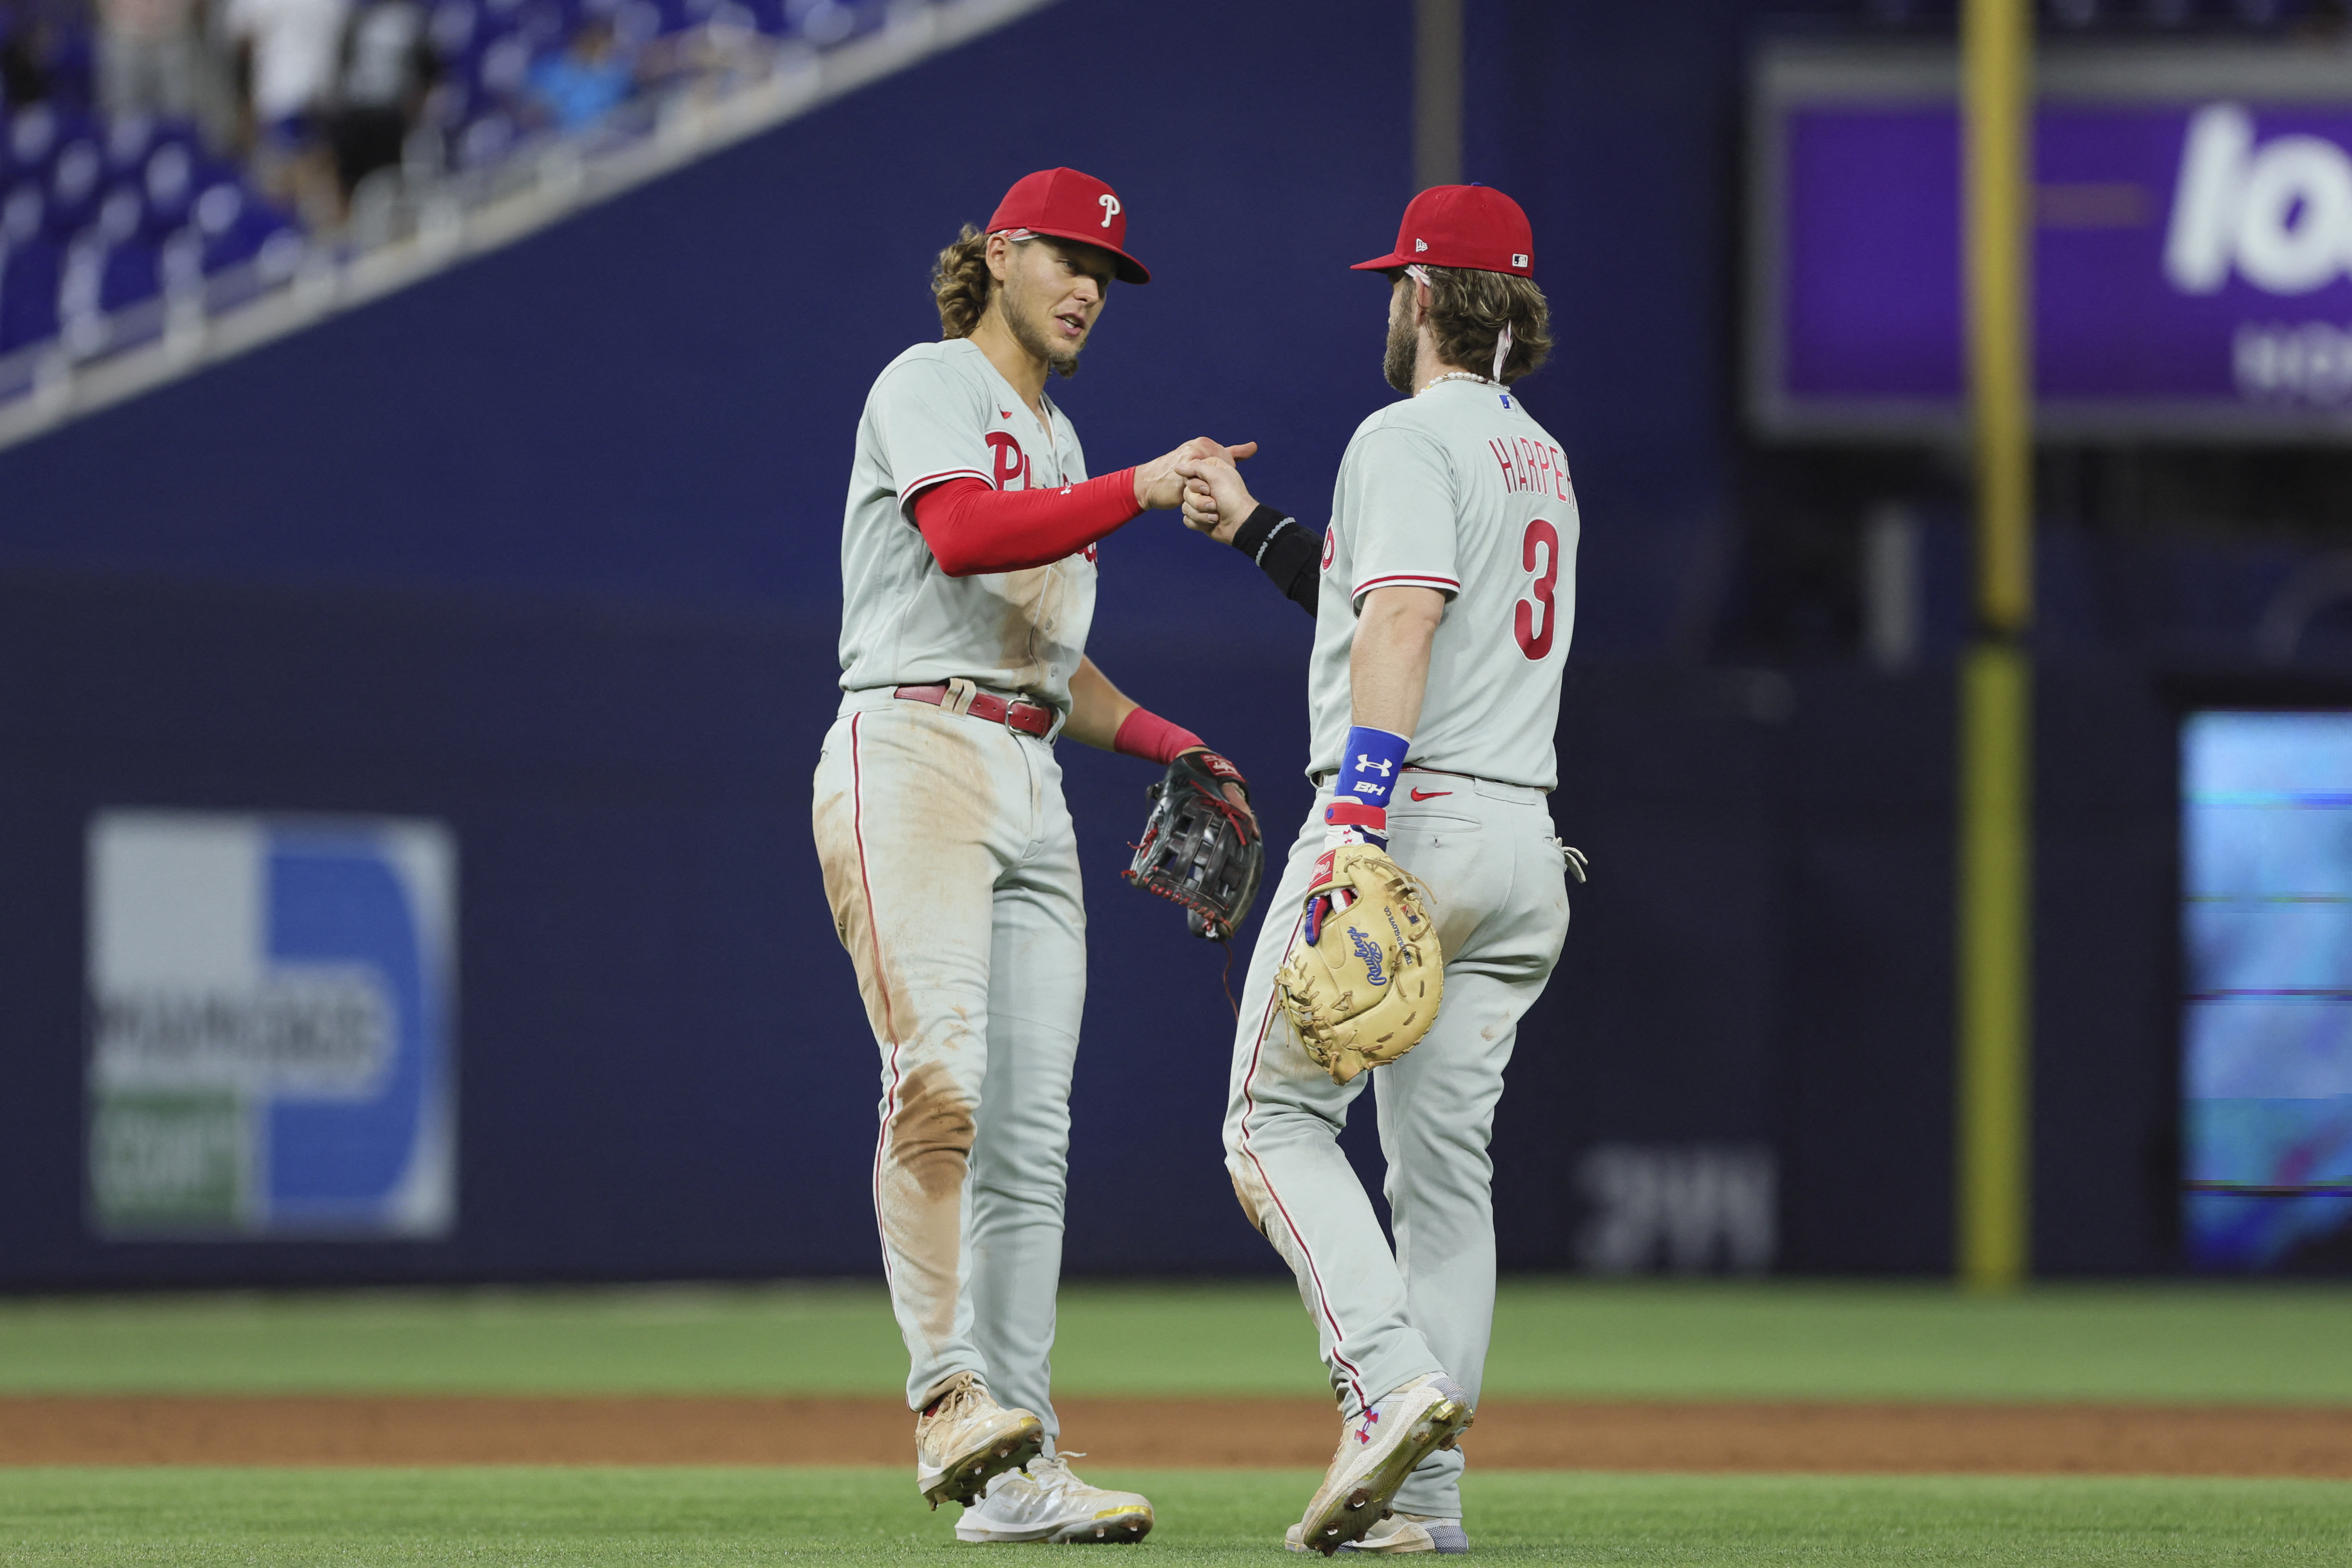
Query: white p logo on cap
(1109, 207)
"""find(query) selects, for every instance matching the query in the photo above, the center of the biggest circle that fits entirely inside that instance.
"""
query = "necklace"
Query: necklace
(1463, 375)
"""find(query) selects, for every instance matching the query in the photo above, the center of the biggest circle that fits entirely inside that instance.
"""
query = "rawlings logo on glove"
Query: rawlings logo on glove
(1364, 976)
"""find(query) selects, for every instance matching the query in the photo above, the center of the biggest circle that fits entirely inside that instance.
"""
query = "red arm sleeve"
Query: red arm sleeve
(973, 529)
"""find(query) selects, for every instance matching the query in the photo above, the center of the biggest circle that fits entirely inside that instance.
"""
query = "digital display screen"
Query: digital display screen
(2266, 925)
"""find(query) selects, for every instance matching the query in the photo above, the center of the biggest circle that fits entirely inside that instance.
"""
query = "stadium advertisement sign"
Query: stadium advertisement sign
(2192, 253)
(271, 1025)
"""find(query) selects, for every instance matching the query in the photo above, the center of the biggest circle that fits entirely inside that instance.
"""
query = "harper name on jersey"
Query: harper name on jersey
(938, 412)
(1458, 486)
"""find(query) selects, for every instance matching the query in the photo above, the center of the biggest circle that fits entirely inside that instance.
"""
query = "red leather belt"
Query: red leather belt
(1028, 718)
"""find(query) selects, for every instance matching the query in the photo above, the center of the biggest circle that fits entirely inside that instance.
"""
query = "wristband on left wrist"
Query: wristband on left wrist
(1369, 765)
(1143, 733)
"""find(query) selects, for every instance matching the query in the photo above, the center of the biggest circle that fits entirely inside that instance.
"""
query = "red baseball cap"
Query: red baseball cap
(1066, 205)
(1462, 225)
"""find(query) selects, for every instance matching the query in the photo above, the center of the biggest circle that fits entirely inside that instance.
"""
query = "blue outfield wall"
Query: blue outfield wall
(545, 548)
(662, 1067)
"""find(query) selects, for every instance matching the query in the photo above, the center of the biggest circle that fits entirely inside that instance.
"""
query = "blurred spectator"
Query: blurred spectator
(34, 37)
(148, 57)
(387, 68)
(291, 48)
(582, 83)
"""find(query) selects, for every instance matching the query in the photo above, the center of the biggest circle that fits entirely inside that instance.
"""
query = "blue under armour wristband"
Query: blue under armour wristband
(1369, 765)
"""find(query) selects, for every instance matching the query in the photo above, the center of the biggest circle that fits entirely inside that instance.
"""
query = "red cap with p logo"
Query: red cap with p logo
(1066, 205)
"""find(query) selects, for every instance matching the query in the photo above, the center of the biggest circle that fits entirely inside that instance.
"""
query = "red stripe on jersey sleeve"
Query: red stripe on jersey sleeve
(1407, 580)
(908, 491)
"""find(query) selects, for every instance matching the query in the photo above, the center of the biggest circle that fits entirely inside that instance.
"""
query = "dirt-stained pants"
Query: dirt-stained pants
(1495, 878)
(952, 871)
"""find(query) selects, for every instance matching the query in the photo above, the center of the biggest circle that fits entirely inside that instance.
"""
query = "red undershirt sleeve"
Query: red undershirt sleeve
(972, 528)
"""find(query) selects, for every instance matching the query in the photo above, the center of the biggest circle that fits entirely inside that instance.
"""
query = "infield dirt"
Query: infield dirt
(1782, 1435)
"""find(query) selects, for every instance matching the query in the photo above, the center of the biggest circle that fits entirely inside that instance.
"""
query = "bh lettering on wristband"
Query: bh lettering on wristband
(1369, 765)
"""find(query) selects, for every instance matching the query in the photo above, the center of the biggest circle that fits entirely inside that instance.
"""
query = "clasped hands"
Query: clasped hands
(1201, 477)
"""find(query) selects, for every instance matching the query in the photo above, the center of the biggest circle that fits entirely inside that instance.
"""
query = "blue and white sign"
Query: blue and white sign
(272, 1018)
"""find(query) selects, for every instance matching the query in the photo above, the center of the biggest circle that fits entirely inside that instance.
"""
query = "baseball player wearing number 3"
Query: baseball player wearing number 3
(968, 586)
(1443, 608)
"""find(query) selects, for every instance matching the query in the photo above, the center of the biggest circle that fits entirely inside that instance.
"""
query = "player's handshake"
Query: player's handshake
(1216, 502)
(1159, 484)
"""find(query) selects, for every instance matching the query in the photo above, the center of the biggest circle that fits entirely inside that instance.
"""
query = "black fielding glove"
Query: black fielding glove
(1199, 848)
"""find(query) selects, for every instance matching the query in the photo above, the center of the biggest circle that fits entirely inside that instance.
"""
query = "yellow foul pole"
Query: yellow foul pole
(1996, 816)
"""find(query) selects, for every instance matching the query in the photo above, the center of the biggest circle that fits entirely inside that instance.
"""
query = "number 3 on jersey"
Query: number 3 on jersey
(1532, 619)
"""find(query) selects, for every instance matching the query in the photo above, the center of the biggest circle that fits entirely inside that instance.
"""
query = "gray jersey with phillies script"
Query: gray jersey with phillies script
(1457, 490)
(940, 411)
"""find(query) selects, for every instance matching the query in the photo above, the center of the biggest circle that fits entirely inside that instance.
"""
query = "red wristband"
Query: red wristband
(1146, 734)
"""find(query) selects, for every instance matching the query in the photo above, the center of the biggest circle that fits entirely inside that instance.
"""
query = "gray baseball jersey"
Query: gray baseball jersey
(1461, 490)
(940, 411)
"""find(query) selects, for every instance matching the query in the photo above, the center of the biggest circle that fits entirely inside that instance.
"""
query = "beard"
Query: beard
(1032, 335)
(1397, 363)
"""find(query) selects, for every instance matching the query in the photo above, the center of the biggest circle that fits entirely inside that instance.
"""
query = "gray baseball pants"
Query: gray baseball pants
(952, 871)
(1497, 882)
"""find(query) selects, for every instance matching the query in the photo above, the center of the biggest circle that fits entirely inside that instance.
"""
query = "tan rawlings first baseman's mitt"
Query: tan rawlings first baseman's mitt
(1364, 974)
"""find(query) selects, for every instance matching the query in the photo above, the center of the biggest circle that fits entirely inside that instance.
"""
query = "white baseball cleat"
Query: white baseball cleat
(1046, 1502)
(1377, 1453)
(1400, 1532)
(963, 1437)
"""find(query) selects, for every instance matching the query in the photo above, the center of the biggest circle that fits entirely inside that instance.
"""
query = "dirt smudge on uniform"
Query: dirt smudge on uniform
(931, 1135)
(892, 858)
(836, 855)
(920, 1194)
(1032, 602)
(883, 991)
(1256, 1201)
(958, 806)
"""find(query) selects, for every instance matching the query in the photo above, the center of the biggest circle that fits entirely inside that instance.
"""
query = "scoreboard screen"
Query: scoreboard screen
(2266, 926)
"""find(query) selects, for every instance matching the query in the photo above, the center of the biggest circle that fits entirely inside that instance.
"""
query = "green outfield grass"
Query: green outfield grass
(161, 1519)
(1697, 1339)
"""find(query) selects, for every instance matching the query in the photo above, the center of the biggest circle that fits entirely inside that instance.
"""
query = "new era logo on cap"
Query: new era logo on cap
(1420, 245)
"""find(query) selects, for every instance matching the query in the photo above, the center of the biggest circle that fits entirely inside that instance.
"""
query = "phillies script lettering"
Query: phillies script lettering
(1012, 462)
(1528, 467)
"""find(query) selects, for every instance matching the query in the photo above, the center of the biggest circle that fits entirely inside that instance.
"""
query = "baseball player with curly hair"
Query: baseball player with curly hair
(967, 563)
(1443, 605)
